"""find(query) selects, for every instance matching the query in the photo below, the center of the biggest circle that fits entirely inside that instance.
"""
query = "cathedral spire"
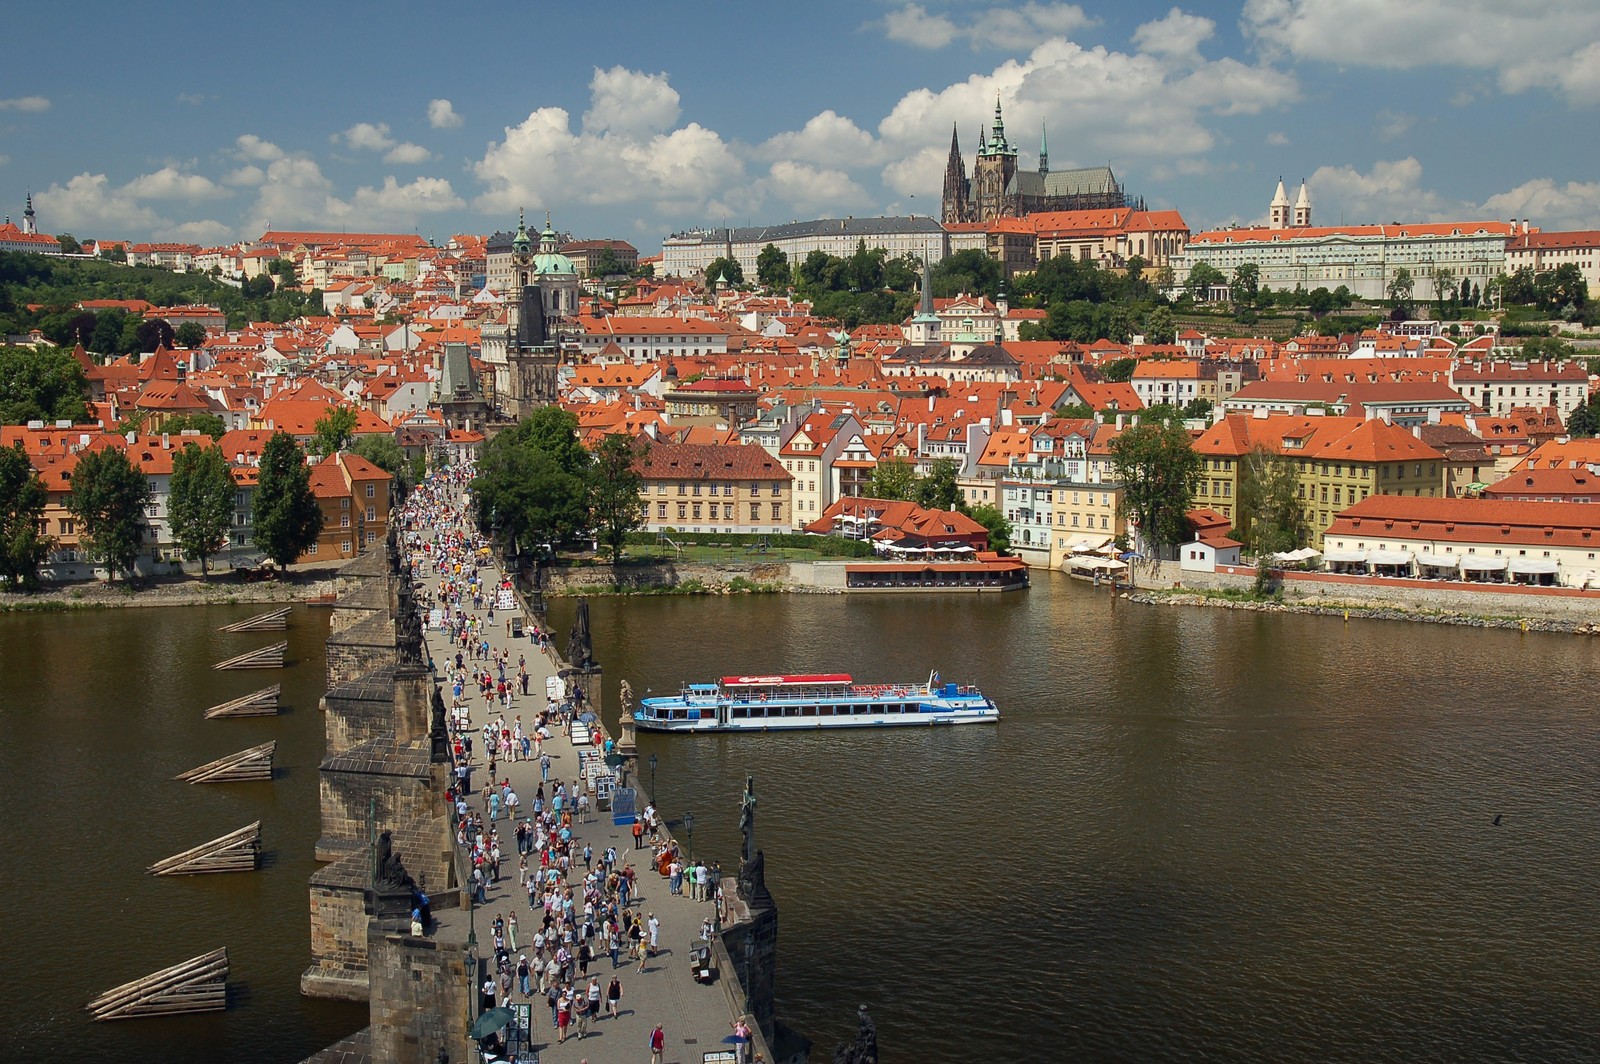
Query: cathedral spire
(28, 222)
(1044, 151)
(953, 207)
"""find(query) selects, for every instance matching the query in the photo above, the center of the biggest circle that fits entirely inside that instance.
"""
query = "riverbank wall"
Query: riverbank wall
(1553, 609)
(313, 586)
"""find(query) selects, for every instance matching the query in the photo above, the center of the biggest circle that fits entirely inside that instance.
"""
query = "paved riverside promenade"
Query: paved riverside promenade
(695, 1017)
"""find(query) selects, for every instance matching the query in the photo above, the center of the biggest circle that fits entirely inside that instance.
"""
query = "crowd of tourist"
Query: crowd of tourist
(585, 921)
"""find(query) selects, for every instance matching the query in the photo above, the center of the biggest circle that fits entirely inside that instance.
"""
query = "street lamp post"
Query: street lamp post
(688, 829)
(652, 778)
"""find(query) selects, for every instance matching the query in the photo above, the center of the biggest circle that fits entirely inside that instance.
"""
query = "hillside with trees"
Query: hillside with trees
(54, 287)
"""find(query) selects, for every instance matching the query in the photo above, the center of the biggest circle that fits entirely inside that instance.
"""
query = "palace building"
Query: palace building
(998, 189)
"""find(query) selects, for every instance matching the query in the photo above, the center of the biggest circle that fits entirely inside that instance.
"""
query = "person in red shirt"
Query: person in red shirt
(658, 1044)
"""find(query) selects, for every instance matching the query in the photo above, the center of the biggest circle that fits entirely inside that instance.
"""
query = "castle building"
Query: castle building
(999, 189)
(1289, 252)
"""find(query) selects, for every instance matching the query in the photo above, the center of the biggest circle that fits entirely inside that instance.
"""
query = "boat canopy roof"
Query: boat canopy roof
(814, 680)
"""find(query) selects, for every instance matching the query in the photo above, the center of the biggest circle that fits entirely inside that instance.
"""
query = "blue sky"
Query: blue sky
(208, 122)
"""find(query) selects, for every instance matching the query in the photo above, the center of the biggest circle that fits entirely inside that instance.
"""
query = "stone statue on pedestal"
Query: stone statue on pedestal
(864, 1050)
(747, 819)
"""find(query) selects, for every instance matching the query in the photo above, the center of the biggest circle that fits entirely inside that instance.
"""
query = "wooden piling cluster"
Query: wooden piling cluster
(271, 621)
(252, 764)
(262, 703)
(199, 984)
(237, 851)
(268, 657)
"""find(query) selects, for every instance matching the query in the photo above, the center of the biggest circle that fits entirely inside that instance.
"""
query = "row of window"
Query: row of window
(711, 511)
(716, 488)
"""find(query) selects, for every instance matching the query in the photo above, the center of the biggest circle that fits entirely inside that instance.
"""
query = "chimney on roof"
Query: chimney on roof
(166, 442)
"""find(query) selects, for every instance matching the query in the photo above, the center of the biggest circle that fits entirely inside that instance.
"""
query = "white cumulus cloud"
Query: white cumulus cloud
(407, 153)
(172, 183)
(253, 148)
(25, 103)
(1552, 44)
(614, 157)
(91, 204)
(1001, 27)
(630, 102)
(1178, 35)
(366, 136)
(1100, 103)
(1548, 204)
(442, 115)
(827, 138)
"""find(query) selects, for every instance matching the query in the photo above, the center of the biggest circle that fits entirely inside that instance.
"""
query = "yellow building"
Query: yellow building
(1339, 460)
(736, 488)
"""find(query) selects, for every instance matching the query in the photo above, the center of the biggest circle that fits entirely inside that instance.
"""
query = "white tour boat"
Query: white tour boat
(830, 700)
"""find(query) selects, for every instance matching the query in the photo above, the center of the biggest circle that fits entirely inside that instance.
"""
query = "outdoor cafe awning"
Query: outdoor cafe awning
(1085, 544)
(1389, 557)
(1482, 563)
(1347, 556)
(1534, 566)
(1439, 561)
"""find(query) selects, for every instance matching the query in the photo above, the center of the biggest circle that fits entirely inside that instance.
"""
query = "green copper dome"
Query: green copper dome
(550, 262)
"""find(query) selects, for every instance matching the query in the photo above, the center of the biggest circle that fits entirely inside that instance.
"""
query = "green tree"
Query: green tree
(999, 528)
(1079, 411)
(210, 424)
(1444, 284)
(334, 431)
(153, 333)
(107, 335)
(1197, 409)
(1319, 302)
(1119, 370)
(191, 334)
(69, 244)
(109, 496)
(1159, 327)
(725, 269)
(939, 490)
(1584, 421)
(864, 270)
(615, 506)
(41, 384)
(970, 271)
(23, 548)
(284, 513)
(201, 502)
(607, 264)
(1202, 277)
(772, 267)
(1246, 285)
(382, 452)
(893, 478)
(532, 483)
(1158, 468)
(1270, 519)
(1400, 287)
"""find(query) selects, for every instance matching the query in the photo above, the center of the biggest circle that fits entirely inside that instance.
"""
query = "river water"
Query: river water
(1196, 834)
(98, 711)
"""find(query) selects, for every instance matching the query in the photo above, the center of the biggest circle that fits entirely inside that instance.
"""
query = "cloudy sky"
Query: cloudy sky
(211, 122)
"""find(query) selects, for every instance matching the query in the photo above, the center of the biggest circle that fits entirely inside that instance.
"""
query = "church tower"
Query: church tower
(1044, 152)
(992, 173)
(1302, 207)
(1278, 212)
(953, 207)
(29, 223)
